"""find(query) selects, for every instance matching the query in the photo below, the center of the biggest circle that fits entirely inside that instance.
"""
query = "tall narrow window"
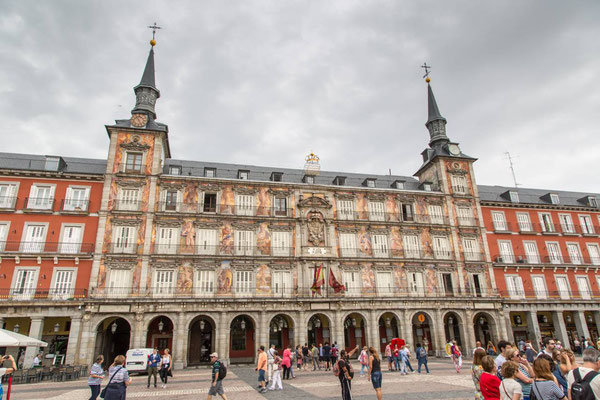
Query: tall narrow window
(171, 200)
(514, 196)
(206, 241)
(380, 245)
(524, 222)
(348, 244)
(459, 184)
(506, 252)
(282, 283)
(441, 247)
(447, 282)
(584, 287)
(134, 162)
(24, 283)
(345, 209)
(119, 282)
(210, 203)
(163, 282)
(244, 204)
(415, 283)
(531, 251)
(376, 211)
(71, 239)
(33, 241)
(562, 284)
(205, 283)
(3, 235)
(128, 200)
(539, 286)
(574, 253)
(554, 199)
(167, 239)
(76, 199)
(352, 282)
(412, 247)
(514, 284)
(436, 214)
(62, 287)
(280, 243)
(593, 250)
(499, 221)
(281, 206)
(471, 249)
(245, 243)
(41, 197)
(554, 255)
(385, 283)
(408, 214)
(465, 216)
(586, 225)
(566, 223)
(8, 195)
(123, 240)
(243, 282)
(546, 222)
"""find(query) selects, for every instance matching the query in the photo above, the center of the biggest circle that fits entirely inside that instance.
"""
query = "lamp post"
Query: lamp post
(201, 324)
(56, 327)
(16, 328)
(113, 327)
(161, 326)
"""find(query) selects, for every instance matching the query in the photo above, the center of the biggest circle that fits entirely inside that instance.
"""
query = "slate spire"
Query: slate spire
(436, 124)
(146, 92)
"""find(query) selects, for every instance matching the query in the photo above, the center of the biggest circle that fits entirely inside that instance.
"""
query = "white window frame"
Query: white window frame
(514, 285)
(554, 199)
(34, 246)
(594, 255)
(8, 199)
(465, 216)
(281, 243)
(563, 294)
(244, 242)
(60, 289)
(531, 252)
(41, 203)
(416, 283)
(540, 292)
(566, 223)
(555, 257)
(376, 211)
(412, 246)
(587, 226)
(206, 241)
(118, 284)
(353, 283)
(436, 214)
(205, 283)
(67, 246)
(499, 220)
(514, 196)
(442, 249)
(125, 244)
(385, 283)
(584, 293)
(348, 244)
(164, 281)
(506, 258)
(163, 200)
(459, 184)
(524, 221)
(167, 239)
(128, 199)
(345, 209)
(576, 259)
(545, 228)
(380, 245)
(79, 203)
(4, 230)
(472, 250)
(27, 292)
(282, 283)
(244, 287)
(245, 204)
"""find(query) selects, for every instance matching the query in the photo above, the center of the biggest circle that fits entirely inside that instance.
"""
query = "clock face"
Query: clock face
(453, 149)
(139, 120)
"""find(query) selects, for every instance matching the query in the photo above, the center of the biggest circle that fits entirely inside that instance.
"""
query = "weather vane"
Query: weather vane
(427, 68)
(154, 28)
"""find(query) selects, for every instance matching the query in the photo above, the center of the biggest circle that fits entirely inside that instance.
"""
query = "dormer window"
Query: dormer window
(398, 185)
(309, 179)
(593, 202)
(554, 198)
(52, 163)
(514, 196)
(369, 182)
(276, 176)
(243, 174)
(339, 180)
(427, 187)
(210, 172)
(174, 170)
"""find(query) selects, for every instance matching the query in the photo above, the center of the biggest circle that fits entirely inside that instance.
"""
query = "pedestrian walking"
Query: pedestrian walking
(276, 378)
(345, 373)
(388, 355)
(456, 355)
(320, 355)
(421, 358)
(286, 362)
(299, 358)
(375, 368)
(403, 358)
(118, 380)
(327, 356)
(408, 355)
(363, 359)
(154, 362)
(334, 354)
(216, 387)
(315, 357)
(270, 358)
(8, 371)
(476, 371)
(165, 367)
(95, 378)
(261, 367)
(305, 356)
(396, 357)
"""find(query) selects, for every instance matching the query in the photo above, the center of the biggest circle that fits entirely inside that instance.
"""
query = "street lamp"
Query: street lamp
(481, 321)
(317, 323)
(568, 318)
(16, 328)
(589, 318)
(56, 327)
(161, 326)
(310, 325)
(353, 321)
(201, 324)
(113, 327)
(387, 321)
(450, 320)
(243, 324)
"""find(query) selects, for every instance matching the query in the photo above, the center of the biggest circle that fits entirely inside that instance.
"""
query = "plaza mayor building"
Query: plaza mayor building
(146, 250)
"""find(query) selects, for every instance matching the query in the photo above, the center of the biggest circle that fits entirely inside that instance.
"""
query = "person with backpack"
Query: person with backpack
(584, 382)
(363, 359)
(421, 358)
(375, 368)
(343, 370)
(456, 356)
(219, 371)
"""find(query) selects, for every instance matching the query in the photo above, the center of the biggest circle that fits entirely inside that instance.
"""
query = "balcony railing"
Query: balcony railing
(25, 294)
(173, 291)
(8, 202)
(548, 294)
(46, 247)
(466, 221)
(39, 203)
(502, 227)
(123, 248)
(127, 205)
(343, 215)
(74, 205)
(473, 256)
(555, 260)
(216, 250)
(355, 252)
(167, 206)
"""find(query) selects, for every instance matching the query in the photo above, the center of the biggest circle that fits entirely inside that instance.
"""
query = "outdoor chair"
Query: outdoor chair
(69, 373)
(46, 373)
(32, 375)
(59, 374)
(18, 376)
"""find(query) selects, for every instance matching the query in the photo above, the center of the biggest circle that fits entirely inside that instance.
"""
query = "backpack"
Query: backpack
(422, 352)
(581, 388)
(222, 372)
(336, 369)
(363, 359)
(334, 352)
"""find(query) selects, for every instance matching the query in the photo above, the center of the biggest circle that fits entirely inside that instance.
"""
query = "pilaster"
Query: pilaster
(560, 328)
(374, 339)
(534, 327)
(179, 342)
(439, 334)
(74, 343)
(35, 331)
(581, 324)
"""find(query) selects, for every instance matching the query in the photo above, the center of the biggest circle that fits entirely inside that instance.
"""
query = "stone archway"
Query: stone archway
(422, 327)
(281, 332)
(318, 329)
(452, 329)
(242, 339)
(389, 328)
(113, 337)
(201, 341)
(160, 334)
(484, 326)
(355, 331)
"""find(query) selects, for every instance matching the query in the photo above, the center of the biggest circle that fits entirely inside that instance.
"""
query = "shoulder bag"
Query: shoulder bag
(103, 392)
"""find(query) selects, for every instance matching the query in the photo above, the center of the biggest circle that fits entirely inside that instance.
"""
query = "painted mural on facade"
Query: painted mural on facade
(263, 239)
(224, 279)
(263, 280)
(185, 279)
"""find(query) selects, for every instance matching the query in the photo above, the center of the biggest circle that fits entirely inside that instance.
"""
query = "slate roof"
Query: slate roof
(33, 162)
(535, 196)
(256, 173)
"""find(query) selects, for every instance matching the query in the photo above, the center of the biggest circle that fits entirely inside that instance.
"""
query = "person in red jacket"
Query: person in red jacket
(489, 383)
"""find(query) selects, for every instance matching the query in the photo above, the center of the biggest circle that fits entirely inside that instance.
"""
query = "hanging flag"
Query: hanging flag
(337, 286)
(318, 279)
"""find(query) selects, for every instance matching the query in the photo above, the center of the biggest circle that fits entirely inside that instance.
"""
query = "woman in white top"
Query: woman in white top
(510, 389)
(165, 367)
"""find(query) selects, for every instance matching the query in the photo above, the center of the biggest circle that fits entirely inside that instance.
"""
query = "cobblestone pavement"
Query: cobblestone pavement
(442, 383)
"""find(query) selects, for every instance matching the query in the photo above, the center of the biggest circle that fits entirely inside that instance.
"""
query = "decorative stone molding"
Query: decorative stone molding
(208, 265)
(463, 203)
(169, 223)
(476, 268)
(172, 185)
(124, 265)
(439, 232)
(281, 267)
(314, 202)
(129, 183)
(376, 230)
(245, 190)
(344, 196)
(207, 225)
(437, 201)
(348, 229)
(445, 269)
(375, 196)
(350, 268)
(126, 221)
(164, 265)
(405, 199)
(135, 145)
(469, 235)
(211, 187)
(250, 226)
(279, 228)
(280, 192)
(383, 268)
(243, 267)
(316, 228)
(414, 268)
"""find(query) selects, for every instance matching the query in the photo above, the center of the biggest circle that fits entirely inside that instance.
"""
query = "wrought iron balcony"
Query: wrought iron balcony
(548, 294)
(61, 248)
(58, 294)
(222, 250)
(553, 260)
(127, 205)
(74, 205)
(8, 202)
(39, 204)
(209, 208)
(353, 215)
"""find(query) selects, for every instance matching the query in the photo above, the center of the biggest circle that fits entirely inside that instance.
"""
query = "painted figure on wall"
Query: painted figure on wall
(188, 232)
(391, 207)
(101, 276)
(316, 228)
(112, 194)
(364, 242)
(227, 200)
(225, 279)
(396, 242)
(226, 240)
(263, 239)
(190, 197)
(107, 236)
(185, 279)
(430, 280)
(362, 206)
(137, 275)
(263, 202)
(368, 280)
(263, 280)
(400, 279)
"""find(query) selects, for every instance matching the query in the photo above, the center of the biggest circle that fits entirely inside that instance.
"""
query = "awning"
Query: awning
(13, 339)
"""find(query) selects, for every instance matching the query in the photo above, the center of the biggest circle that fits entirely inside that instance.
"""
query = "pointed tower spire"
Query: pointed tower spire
(146, 92)
(436, 124)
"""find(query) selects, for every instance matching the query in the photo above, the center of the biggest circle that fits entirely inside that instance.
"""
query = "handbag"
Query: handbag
(103, 392)
(532, 395)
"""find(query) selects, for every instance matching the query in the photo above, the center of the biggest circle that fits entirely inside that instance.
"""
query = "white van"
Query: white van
(137, 360)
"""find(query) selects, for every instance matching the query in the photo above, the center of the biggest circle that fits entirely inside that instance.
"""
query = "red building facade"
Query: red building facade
(48, 224)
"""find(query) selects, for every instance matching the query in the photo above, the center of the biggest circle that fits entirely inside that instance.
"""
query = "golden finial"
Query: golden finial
(428, 79)
(152, 42)
(312, 158)
(154, 28)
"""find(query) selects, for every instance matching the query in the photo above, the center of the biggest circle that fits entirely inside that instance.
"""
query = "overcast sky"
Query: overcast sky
(266, 82)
